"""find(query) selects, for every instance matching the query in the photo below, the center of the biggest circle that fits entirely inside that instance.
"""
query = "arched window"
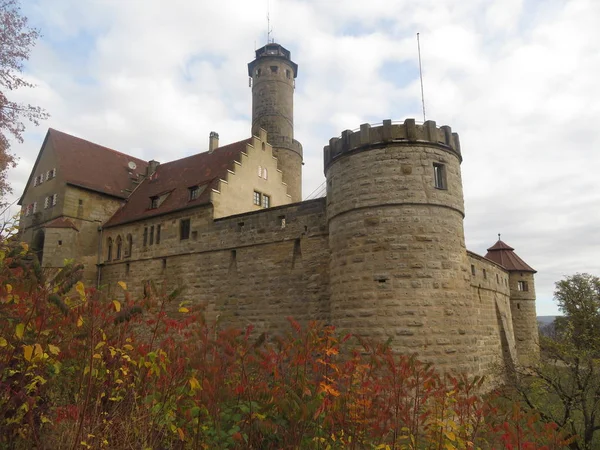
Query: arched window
(259, 172)
(109, 249)
(119, 247)
(265, 173)
(129, 246)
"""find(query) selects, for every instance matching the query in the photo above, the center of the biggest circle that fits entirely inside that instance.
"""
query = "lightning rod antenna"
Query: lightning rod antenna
(421, 76)
(269, 29)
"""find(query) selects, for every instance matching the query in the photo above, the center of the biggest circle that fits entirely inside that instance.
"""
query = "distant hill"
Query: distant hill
(545, 320)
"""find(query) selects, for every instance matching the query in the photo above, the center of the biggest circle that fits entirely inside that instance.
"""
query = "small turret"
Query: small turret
(522, 300)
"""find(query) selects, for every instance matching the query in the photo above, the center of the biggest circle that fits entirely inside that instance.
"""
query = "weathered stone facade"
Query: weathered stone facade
(382, 255)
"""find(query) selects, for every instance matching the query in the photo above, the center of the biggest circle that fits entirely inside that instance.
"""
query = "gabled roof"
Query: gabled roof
(61, 222)
(171, 183)
(92, 166)
(504, 254)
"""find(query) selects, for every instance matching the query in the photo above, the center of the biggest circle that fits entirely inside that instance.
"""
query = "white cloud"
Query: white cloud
(516, 79)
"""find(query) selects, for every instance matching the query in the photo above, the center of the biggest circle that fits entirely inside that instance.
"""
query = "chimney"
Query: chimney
(152, 165)
(213, 141)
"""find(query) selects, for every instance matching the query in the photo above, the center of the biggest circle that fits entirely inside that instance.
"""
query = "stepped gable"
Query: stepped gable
(61, 222)
(505, 255)
(171, 183)
(85, 164)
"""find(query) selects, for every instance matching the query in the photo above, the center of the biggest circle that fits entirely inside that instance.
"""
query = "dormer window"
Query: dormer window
(154, 202)
(194, 192)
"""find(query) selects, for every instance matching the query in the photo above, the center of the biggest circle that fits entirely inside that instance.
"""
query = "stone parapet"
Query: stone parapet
(409, 131)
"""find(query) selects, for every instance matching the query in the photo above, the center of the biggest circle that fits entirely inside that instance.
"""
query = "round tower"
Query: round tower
(398, 258)
(522, 301)
(273, 75)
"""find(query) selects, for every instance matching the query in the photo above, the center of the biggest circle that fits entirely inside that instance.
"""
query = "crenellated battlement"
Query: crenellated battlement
(408, 131)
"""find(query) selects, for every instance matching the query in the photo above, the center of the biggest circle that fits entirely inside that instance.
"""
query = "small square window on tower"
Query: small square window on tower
(257, 198)
(439, 176)
(522, 286)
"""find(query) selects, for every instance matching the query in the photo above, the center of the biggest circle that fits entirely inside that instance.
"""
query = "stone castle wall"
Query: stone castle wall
(255, 268)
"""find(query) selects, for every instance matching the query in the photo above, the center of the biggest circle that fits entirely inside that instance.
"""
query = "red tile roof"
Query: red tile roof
(60, 222)
(174, 179)
(504, 254)
(92, 166)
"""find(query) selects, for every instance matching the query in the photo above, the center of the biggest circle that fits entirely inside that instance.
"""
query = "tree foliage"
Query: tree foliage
(565, 387)
(16, 41)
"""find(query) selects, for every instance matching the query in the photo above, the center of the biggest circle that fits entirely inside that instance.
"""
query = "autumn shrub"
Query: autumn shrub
(80, 370)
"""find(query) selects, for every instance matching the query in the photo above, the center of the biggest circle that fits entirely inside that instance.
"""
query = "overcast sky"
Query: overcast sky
(518, 80)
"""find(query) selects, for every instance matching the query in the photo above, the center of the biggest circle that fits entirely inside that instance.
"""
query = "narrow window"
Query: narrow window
(497, 279)
(266, 201)
(27, 210)
(164, 263)
(288, 74)
(145, 236)
(54, 199)
(127, 268)
(109, 252)
(259, 172)
(119, 247)
(274, 69)
(257, 198)
(47, 201)
(257, 73)
(484, 274)
(439, 176)
(129, 246)
(34, 207)
(265, 173)
(157, 234)
(522, 286)
(59, 242)
(152, 235)
(184, 229)
(194, 192)
(472, 269)
(153, 202)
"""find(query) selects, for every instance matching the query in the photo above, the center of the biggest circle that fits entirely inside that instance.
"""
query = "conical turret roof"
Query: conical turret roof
(505, 255)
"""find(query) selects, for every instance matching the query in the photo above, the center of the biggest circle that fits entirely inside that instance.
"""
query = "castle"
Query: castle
(382, 255)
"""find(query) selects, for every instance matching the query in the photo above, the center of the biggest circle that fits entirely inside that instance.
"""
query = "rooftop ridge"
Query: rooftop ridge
(407, 131)
(54, 130)
(196, 155)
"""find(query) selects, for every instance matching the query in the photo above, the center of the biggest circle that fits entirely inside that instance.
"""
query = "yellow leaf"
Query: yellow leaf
(19, 330)
(79, 321)
(100, 345)
(181, 434)
(25, 246)
(449, 446)
(123, 285)
(97, 356)
(8, 288)
(194, 384)
(128, 347)
(117, 304)
(3, 342)
(80, 288)
(184, 310)
(27, 352)
(38, 351)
